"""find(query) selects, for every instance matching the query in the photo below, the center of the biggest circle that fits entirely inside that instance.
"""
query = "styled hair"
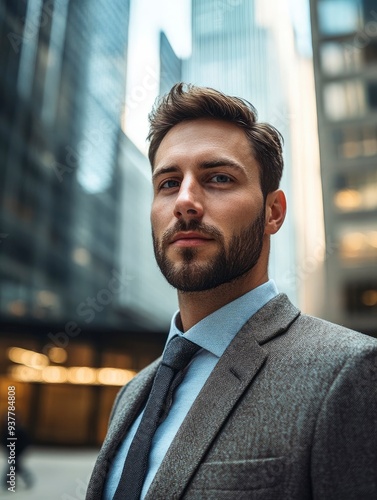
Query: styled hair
(189, 102)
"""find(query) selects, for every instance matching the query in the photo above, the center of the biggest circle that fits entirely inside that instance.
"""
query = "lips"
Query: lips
(189, 238)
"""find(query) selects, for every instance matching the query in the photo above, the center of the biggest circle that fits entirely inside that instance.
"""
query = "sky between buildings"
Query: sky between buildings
(147, 19)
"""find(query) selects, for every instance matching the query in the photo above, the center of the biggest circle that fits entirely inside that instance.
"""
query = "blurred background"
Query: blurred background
(83, 306)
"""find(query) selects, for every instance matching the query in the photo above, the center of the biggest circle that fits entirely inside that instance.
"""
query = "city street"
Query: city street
(59, 474)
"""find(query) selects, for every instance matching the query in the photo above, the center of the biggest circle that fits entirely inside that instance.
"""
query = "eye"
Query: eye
(221, 179)
(168, 184)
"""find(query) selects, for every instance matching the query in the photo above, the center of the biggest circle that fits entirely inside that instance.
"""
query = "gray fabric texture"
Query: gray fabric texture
(289, 413)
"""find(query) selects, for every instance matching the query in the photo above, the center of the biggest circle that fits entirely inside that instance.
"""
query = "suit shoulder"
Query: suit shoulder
(326, 335)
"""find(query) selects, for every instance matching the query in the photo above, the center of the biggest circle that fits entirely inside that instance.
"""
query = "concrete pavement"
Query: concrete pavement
(59, 474)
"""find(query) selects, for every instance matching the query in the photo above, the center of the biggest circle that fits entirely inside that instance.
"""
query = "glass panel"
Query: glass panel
(359, 244)
(355, 141)
(364, 198)
(337, 17)
(344, 99)
(337, 57)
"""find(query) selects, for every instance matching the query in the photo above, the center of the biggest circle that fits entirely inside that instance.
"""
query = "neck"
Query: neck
(195, 306)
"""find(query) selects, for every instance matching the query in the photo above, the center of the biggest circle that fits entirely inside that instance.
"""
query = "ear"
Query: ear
(276, 207)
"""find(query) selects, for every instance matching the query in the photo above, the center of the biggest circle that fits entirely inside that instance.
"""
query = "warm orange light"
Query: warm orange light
(81, 375)
(28, 358)
(369, 298)
(358, 245)
(54, 374)
(17, 307)
(114, 376)
(25, 374)
(348, 199)
(372, 239)
(34, 367)
(57, 355)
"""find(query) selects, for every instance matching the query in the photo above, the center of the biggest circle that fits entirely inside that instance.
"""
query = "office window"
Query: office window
(341, 57)
(338, 17)
(356, 192)
(358, 244)
(344, 99)
(355, 141)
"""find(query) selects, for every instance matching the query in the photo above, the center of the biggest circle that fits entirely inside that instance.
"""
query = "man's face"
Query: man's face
(208, 214)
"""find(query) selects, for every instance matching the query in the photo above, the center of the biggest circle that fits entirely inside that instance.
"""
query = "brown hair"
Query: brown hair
(189, 102)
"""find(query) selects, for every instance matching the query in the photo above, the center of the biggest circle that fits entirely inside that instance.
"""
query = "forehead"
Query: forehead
(203, 138)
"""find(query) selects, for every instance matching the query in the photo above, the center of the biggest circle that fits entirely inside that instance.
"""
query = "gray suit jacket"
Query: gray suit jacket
(288, 413)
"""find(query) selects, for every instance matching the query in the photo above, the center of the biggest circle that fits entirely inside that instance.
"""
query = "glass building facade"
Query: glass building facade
(62, 89)
(345, 57)
(170, 65)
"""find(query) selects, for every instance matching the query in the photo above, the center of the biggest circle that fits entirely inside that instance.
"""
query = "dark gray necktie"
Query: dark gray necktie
(178, 353)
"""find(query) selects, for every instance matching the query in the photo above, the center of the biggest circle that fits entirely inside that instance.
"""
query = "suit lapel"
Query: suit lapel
(234, 372)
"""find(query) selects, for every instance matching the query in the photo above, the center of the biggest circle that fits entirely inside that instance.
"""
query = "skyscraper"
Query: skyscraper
(170, 65)
(63, 78)
(345, 57)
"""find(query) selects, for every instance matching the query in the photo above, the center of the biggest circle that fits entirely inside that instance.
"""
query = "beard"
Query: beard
(227, 265)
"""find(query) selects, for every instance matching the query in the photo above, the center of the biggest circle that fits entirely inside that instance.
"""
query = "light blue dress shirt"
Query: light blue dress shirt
(213, 333)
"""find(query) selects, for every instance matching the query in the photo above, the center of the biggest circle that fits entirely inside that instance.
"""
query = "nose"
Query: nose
(188, 204)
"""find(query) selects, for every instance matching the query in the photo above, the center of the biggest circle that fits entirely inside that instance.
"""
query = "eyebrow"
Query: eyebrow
(218, 162)
(221, 162)
(164, 170)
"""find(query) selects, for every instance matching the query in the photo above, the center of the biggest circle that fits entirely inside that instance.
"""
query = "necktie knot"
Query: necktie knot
(178, 353)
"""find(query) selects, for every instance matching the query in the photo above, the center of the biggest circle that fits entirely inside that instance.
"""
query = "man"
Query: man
(274, 404)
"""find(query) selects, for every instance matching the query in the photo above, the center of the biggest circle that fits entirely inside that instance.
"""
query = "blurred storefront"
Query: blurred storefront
(64, 395)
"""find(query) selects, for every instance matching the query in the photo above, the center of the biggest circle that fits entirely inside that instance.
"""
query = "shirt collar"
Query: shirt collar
(215, 332)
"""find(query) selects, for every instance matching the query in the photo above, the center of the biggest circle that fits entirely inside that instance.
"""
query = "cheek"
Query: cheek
(158, 217)
(238, 217)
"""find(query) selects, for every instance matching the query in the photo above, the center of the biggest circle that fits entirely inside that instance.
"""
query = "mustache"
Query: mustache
(192, 225)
